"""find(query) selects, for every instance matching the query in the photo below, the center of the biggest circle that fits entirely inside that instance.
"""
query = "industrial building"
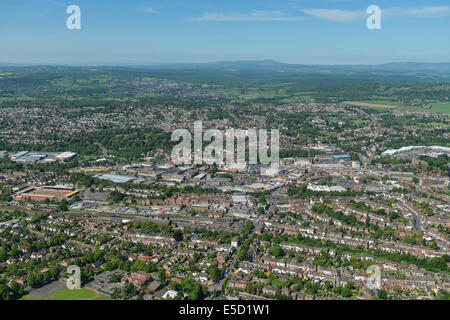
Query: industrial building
(41, 157)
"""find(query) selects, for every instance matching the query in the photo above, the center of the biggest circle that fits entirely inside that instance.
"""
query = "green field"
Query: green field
(76, 294)
(372, 105)
(441, 107)
(391, 103)
(7, 99)
(437, 124)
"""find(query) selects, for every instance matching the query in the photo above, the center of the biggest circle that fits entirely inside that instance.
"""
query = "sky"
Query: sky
(131, 32)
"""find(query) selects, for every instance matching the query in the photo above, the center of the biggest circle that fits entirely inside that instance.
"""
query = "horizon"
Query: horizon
(149, 64)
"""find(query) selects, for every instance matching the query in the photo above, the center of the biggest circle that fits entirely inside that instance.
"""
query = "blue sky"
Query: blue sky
(294, 31)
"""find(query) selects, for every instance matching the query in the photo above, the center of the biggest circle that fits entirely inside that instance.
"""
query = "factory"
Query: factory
(41, 157)
(118, 178)
(415, 151)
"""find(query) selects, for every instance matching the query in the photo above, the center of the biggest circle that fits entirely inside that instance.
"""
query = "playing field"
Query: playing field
(369, 105)
(46, 193)
(76, 294)
(385, 102)
(441, 107)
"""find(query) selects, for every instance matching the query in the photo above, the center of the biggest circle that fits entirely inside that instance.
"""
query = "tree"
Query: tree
(350, 285)
(214, 273)
(3, 255)
(4, 292)
(150, 267)
(346, 292)
(276, 251)
(116, 196)
(128, 291)
(178, 236)
(39, 279)
(16, 290)
(197, 293)
(438, 263)
(99, 256)
(162, 276)
(63, 206)
(127, 266)
(443, 295)
(15, 252)
(382, 294)
(116, 293)
(31, 281)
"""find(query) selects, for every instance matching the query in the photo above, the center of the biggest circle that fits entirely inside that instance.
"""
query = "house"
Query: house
(235, 242)
(164, 294)
(154, 286)
(270, 290)
(137, 279)
(170, 294)
(237, 283)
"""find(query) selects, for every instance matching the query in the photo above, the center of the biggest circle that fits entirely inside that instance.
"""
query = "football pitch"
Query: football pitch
(75, 294)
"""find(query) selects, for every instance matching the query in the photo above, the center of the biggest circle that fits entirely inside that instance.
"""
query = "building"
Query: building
(65, 156)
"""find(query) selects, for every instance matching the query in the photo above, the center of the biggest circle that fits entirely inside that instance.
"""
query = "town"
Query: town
(356, 187)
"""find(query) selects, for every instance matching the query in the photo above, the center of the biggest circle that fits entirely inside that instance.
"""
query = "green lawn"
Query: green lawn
(76, 294)
(391, 103)
(6, 98)
(441, 107)
(437, 124)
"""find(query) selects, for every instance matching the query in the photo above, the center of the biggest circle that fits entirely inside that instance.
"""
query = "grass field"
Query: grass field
(19, 98)
(6, 99)
(371, 105)
(441, 107)
(385, 102)
(437, 124)
(76, 294)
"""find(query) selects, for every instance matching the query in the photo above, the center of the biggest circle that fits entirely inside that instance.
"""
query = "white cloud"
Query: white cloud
(56, 3)
(425, 12)
(149, 10)
(255, 15)
(335, 14)
(351, 15)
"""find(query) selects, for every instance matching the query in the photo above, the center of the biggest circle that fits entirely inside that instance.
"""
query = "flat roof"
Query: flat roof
(20, 154)
(116, 178)
(239, 198)
(340, 156)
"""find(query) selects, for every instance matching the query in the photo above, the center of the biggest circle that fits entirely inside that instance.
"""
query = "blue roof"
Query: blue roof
(341, 156)
(20, 154)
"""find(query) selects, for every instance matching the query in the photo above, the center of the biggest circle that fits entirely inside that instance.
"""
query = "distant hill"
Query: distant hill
(272, 65)
(396, 71)
(216, 72)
